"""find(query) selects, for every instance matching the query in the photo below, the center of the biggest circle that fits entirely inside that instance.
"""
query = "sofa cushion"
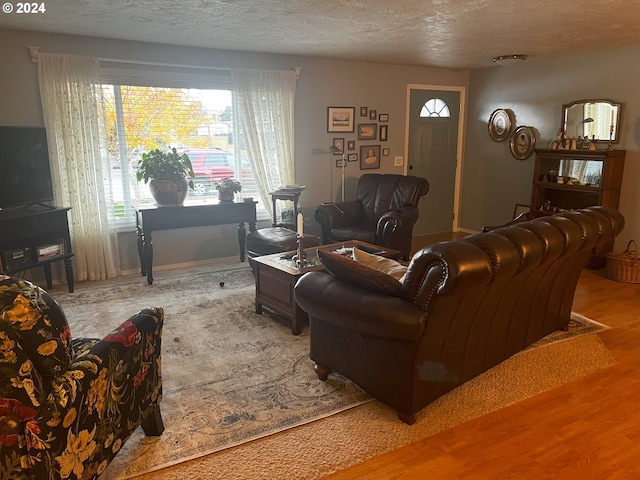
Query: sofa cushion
(363, 276)
(385, 265)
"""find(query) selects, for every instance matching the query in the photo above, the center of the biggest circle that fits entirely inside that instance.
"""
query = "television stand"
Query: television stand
(44, 207)
(25, 233)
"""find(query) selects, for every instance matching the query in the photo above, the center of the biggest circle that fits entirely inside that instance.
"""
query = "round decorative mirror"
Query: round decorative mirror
(599, 119)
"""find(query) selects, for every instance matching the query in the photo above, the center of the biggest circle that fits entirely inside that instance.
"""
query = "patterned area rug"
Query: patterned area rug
(230, 376)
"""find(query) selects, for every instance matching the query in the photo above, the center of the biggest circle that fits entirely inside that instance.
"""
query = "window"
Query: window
(198, 122)
(435, 107)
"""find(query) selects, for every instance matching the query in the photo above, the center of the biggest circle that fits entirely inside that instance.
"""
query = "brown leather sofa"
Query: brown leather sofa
(384, 212)
(463, 307)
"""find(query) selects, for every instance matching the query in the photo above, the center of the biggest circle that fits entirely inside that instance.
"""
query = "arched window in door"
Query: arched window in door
(435, 107)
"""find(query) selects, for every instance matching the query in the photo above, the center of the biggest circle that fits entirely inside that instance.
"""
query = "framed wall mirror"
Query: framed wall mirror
(592, 118)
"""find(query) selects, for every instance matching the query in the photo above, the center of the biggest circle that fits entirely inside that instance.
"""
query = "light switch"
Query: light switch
(397, 162)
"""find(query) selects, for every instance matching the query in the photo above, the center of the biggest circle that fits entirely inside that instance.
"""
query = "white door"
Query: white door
(432, 153)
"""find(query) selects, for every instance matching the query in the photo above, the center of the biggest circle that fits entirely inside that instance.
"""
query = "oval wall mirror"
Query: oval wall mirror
(592, 118)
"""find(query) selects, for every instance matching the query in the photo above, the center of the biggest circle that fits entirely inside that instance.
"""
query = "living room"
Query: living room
(492, 180)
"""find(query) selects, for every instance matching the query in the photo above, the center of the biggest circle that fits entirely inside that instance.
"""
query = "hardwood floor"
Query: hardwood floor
(586, 429)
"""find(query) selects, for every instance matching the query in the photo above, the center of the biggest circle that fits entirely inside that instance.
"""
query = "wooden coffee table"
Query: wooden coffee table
(277, 274)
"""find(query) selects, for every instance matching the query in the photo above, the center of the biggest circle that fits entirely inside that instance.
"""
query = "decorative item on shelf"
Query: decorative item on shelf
(167, 173)
(500, 125)
(227, 188)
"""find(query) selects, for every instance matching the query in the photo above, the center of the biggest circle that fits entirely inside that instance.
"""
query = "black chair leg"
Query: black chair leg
(152, 425)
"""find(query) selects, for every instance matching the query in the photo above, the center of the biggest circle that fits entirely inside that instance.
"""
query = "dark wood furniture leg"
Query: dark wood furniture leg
(143, 270)
(147, 250)
(242, 234)
(152, 425)
(68, 268)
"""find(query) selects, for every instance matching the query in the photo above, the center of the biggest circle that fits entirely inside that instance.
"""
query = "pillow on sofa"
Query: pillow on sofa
(358, 274)
(382, 264)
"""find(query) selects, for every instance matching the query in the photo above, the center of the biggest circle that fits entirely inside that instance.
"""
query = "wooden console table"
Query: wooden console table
(152, 218)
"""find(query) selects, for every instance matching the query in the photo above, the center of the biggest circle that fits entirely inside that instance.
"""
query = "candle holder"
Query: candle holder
(300, 258)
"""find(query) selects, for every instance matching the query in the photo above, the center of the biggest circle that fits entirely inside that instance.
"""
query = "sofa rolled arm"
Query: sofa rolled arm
(451, 268)
(323, 296)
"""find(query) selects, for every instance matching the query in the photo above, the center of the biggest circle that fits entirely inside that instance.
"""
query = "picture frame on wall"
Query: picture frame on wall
(384, 130)
(340, 119)
(369, 157)
(384, 117)
(385, 152)
(373, 114)
(338, 144)
(364, 111)
(352, 157)
(340, 163)
(367, 131)
(351, 145)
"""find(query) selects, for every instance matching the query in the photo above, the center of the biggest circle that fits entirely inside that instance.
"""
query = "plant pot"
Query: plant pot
(168, 191)
(225, 196)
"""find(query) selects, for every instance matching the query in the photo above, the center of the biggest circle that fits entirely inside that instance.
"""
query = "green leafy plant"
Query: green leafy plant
(158, 164)
(228, 184)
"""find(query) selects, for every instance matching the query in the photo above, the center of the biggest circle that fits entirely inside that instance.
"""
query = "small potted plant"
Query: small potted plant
(227, 187)
(167, 173)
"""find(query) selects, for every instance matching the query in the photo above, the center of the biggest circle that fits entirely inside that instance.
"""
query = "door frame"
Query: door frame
(455, 224)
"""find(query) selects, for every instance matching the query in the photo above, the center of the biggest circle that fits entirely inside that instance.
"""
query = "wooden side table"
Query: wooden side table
(291, 194)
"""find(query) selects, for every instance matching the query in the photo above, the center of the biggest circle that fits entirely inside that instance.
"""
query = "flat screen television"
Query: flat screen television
(25, 174)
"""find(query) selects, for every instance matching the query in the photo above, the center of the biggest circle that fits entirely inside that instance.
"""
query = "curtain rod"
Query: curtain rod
(35, 50)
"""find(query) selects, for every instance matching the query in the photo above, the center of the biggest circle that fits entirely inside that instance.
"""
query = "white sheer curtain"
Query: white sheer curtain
(70, 94)
(264, 104)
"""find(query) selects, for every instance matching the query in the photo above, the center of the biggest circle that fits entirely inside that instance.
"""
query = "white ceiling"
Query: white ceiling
(442, 33)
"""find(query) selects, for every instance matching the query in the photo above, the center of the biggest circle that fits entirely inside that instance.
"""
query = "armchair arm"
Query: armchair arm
(337, 215)
(345, 305)
(97, 404)
(395, 221)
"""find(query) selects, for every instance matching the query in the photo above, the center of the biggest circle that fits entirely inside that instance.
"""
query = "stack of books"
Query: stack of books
(50, 250)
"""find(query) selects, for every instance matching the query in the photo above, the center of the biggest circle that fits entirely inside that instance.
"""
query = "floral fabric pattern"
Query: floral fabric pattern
(67, 406)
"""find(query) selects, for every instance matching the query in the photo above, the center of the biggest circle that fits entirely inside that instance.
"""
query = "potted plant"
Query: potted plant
(166, 172)
(227, 187)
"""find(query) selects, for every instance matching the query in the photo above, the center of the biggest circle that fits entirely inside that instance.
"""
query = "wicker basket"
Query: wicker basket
(625, 266)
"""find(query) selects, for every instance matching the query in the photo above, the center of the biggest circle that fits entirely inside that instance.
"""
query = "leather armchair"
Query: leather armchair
(384, 212)
(67, 406)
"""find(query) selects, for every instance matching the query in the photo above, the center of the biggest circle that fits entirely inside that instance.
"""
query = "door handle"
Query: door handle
(410, 167)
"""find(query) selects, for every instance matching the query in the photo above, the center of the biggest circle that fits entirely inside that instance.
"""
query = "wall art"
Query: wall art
(367, 131)
(369, 157)
(340, 119)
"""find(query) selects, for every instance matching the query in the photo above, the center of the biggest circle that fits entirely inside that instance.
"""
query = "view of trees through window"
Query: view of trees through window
(194, 121)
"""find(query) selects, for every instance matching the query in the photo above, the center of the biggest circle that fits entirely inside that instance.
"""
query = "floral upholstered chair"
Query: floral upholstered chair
(67, 406)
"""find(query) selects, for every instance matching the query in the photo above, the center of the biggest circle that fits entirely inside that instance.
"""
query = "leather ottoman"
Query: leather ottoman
(275, 240)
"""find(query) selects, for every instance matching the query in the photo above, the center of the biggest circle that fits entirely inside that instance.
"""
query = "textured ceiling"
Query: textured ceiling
(442, 33)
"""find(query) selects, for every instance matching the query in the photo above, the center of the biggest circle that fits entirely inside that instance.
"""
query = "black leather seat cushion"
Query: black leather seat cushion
(275, 240)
